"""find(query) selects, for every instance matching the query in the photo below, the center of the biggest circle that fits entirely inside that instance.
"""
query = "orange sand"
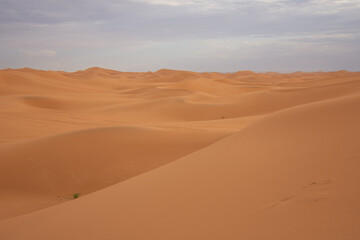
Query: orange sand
(179, 155)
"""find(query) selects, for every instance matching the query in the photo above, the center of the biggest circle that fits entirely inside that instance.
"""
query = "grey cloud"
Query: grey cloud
(144, 21)
(83, 24)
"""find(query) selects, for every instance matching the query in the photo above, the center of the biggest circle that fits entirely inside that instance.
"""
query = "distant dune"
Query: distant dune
(179, 155)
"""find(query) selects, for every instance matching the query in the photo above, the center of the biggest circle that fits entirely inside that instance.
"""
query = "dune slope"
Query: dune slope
(291, 175)
(47, 171)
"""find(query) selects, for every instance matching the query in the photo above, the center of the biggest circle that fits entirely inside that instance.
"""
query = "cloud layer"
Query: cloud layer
(199, 35)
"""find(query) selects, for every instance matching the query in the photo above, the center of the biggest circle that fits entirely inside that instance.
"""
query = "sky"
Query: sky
(194, 35)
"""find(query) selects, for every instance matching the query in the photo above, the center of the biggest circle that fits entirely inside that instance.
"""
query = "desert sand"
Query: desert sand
(173, 155)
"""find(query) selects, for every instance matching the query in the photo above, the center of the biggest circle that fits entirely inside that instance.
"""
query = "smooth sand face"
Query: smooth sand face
(179, 155)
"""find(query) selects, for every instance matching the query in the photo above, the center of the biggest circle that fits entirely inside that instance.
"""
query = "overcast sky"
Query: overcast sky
(197, 35)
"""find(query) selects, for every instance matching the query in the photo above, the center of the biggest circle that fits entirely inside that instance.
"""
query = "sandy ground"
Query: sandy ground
(179, 155)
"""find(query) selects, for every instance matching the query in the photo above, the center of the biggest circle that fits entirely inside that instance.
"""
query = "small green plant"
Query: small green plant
(76, 195)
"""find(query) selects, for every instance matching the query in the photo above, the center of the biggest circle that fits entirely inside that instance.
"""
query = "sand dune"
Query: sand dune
(179, 155)
(56, 167)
